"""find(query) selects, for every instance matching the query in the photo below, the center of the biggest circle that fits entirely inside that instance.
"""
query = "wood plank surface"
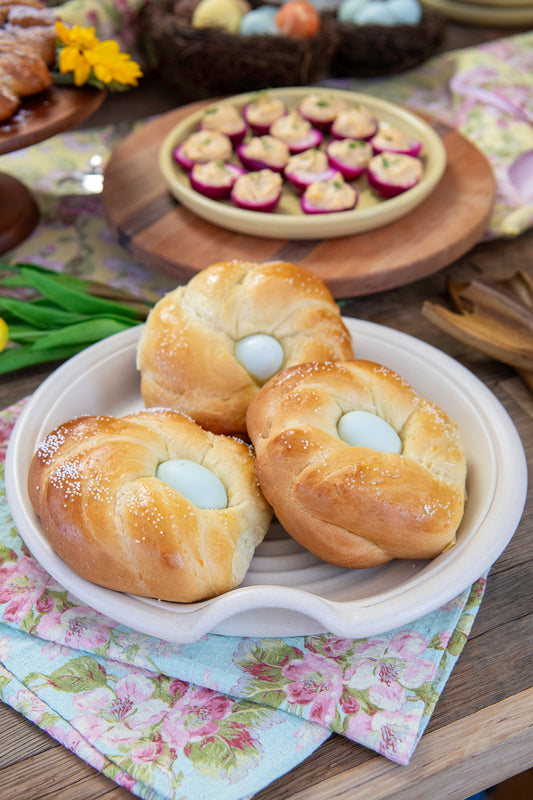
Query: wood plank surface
(162, 233)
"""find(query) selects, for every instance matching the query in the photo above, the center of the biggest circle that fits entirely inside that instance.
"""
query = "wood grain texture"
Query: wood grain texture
(19, 213)
(47, 113)
(162, 233)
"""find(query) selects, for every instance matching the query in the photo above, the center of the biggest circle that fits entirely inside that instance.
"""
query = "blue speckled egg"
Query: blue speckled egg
(374, 13)
(348, 9)
(405, 12)
(261, 20)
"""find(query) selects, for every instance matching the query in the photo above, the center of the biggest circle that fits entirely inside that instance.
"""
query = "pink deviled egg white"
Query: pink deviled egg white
(321, 109)
(390, 174)
(263, 152)
(354, 123)
(203, 146)
(393, 140)
(296, 132)
(214, 179)
(257, 191)
(327, 196)
(350, 157)
(225, 119)
(305, 168)
(262, 111)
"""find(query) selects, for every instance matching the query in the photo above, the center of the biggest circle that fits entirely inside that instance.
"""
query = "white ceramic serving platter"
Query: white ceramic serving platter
(288, 591)
(288, 221)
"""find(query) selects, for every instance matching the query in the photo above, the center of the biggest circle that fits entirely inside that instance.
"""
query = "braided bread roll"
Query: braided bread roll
(353, 505)
(187, 352)
(93, 483)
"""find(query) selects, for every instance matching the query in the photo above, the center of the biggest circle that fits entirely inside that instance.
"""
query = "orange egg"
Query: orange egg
(298, 18)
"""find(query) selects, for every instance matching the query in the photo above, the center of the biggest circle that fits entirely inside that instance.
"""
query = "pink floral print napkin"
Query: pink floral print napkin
(220, 718)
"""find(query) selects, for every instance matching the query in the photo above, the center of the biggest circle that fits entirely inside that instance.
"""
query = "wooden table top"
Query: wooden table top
(481, 731)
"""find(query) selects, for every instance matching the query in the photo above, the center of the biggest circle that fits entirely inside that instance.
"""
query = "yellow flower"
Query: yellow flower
(81, 38)
(109, 64)
(92, 61)
(4, 333)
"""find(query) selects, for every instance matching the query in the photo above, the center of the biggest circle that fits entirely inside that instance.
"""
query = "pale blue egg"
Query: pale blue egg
(374, 13)
(405, 12)
(261, 20)
(260, 354)
(363, 429)
(196, 483)
(348, 8)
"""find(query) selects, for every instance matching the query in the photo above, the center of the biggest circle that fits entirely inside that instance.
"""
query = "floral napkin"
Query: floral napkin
(220, 718)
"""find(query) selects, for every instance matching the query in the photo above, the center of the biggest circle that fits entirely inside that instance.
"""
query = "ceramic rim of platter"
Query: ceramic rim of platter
(287, 590)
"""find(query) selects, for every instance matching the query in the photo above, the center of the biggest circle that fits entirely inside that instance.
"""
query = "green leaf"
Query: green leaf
(78, 675)
(24, 334)
(16, 358)
(86, 332)
(39, 315)
(72, 299)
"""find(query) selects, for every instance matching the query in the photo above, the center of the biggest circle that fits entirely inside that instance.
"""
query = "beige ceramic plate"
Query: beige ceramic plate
(483, 14)
(287, 221)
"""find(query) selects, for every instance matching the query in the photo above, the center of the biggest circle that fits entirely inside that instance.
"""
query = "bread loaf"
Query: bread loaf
(27, 51)
(190, 354)
(105, 508)
(345, 500)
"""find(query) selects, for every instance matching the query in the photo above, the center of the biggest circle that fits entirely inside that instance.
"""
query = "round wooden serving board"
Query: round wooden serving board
(164, 235)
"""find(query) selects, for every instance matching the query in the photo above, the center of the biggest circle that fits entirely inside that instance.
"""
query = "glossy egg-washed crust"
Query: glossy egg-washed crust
(93, 483)
(354, 506)
(186, 353)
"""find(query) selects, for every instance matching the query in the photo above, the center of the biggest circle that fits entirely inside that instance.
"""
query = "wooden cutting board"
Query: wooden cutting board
(167, 237)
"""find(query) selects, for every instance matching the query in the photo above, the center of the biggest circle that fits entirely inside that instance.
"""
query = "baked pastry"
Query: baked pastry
(209, 346)
(102, 487)
(27, 51)
(358, 467)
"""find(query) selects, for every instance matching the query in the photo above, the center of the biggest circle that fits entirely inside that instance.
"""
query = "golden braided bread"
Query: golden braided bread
(103, 509)
(188, 352)
(27, 50)
(353, 505)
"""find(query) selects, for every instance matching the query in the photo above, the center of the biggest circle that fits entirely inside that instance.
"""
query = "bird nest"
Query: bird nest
(207, 62)
(371, 51)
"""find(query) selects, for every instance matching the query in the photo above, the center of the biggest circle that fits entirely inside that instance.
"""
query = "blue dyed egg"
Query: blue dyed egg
(405, 12)
(348, 9)
(194, 482)
(374, 13)
(261, 20)
(363, 429)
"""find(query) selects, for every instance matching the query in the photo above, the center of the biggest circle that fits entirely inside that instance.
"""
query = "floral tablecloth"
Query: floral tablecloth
(220, 718)
(223, 717)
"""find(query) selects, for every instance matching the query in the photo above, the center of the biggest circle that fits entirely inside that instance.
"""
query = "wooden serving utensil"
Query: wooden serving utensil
(496, 317)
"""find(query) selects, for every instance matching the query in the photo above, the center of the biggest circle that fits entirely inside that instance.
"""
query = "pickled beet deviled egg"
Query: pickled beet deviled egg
(203, 146)
(214, 179)
(262, 111)
(225, 119)
(326, 196)
(320, 110)
(350, 157)
(390, 174)
(258, 191)
(296, 132)
(354, 123)
(389, 139)
(305, 168)
(264, 152)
